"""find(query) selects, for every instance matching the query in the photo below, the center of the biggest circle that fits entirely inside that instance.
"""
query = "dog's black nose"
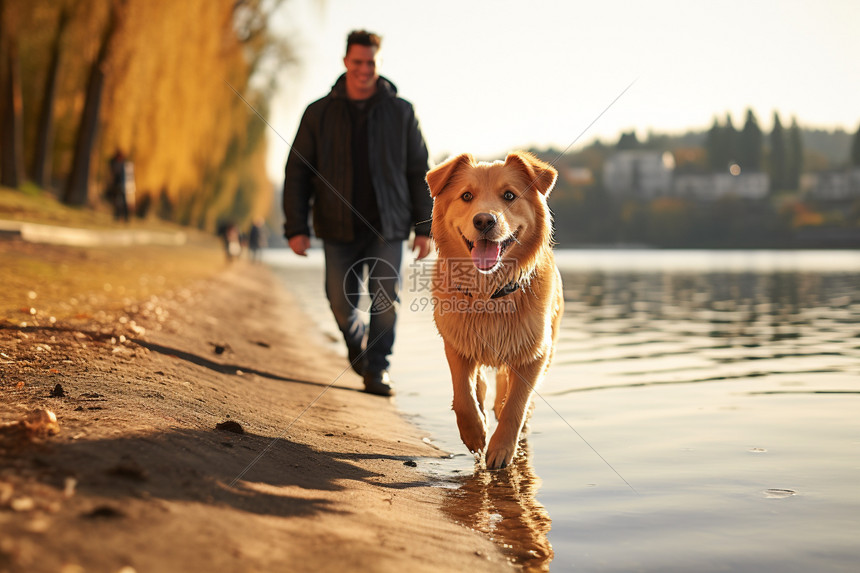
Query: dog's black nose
(484, 221)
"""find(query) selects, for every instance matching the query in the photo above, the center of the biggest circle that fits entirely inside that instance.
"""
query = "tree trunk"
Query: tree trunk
(45, 136)
(77, 186)
(11, 132)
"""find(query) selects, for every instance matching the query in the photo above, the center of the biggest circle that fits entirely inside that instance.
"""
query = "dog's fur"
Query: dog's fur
(493, 229)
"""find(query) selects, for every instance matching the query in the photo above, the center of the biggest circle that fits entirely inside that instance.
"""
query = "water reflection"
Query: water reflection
(629, 316)
(681, 346)
(716, 391)
(503, 505)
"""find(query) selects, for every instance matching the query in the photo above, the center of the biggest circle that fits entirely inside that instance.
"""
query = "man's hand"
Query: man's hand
(424, 245)
(300, 244)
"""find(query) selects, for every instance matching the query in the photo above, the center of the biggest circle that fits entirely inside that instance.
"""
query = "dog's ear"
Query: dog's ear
(541, 175)
(439, 176)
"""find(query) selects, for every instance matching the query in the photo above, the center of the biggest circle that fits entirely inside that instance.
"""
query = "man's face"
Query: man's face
(361, 67)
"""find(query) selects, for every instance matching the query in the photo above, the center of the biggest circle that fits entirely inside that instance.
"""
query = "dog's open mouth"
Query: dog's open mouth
(486, 254)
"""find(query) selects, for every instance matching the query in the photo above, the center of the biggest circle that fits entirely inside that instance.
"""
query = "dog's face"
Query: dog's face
(490, 212)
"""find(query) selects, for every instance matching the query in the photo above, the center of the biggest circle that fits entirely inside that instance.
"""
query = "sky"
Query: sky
(487, 77)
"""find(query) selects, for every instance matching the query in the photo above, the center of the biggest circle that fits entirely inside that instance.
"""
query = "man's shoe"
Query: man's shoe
(356, 360)
(378, 383)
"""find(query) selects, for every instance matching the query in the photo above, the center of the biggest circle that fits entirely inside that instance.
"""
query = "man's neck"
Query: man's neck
(354, 93)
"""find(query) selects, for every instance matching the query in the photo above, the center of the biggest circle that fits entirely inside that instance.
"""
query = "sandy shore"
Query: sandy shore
(139, 478)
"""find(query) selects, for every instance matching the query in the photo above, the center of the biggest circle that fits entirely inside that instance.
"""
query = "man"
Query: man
(359, 159)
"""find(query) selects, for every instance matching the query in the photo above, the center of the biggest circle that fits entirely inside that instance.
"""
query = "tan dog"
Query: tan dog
(496, 289)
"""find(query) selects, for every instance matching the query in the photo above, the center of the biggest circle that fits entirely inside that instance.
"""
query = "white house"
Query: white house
(713, 186)
(836, 185)
(640, 173)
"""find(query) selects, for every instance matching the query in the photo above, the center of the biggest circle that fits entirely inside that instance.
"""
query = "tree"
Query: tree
(77, 188)
(11, 104)
(715, 146)
(794, 156)
(750, 144)
(721, 144)
(777, 156)
(45, 133)
(170, 83)
(855, 149)
(730, 140)
(627, 141)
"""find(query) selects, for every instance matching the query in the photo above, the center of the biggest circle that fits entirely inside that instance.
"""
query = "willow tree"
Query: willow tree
(172, 107)
(165, 81)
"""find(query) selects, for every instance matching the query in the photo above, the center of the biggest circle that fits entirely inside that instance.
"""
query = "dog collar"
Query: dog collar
(509, 288)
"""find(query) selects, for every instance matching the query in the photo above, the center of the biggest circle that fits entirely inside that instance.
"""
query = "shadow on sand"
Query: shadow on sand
(228, 368)
(198, 466)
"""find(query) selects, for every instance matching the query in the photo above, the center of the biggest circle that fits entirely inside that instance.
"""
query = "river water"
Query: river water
(702, 413)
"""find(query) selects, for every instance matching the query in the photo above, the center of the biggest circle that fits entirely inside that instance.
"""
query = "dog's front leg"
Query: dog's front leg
(522, 380)
(470, 417)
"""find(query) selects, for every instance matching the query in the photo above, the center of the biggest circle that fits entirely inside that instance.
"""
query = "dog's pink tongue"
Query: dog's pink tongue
(485, 254)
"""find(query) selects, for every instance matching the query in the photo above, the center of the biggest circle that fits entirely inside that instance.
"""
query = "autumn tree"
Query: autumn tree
(42, 157)
(170, 83)
(78, 185)
(11, 104)
(189, 132)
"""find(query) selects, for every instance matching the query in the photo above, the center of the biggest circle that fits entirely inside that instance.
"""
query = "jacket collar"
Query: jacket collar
(384, 88)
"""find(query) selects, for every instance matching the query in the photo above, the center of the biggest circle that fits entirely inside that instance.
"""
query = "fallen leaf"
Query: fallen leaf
(23, 504)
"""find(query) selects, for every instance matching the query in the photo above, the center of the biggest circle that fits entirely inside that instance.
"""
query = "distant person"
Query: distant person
(117, 188)
(232, 240)
(359, 157)
(129, 188)
(256, 240)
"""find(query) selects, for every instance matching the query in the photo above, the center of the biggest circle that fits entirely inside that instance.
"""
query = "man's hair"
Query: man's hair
(363, 38)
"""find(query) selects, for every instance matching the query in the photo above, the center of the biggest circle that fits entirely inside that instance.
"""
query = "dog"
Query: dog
(496, 290)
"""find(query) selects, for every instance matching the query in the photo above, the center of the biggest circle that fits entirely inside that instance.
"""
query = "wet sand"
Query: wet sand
(308, 474)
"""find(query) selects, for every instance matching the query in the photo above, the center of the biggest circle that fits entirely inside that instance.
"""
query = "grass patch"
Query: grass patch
(38, 281)
(31, 204)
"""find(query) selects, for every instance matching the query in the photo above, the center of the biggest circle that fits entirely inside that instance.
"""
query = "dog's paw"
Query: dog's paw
(499, 455)
(474, 436)
(476, 441)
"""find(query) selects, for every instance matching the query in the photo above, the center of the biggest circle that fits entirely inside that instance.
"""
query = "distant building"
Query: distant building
(713, 186)
(639, 173)
(835, 185)
(649, 174)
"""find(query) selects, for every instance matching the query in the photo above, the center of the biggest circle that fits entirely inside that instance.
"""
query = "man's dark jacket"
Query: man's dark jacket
(319, 168)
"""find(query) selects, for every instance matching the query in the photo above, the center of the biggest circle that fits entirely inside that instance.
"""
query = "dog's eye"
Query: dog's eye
(466, 196)
(509, 195)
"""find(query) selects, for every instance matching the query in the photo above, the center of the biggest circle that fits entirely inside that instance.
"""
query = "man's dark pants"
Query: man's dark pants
(346, 266)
